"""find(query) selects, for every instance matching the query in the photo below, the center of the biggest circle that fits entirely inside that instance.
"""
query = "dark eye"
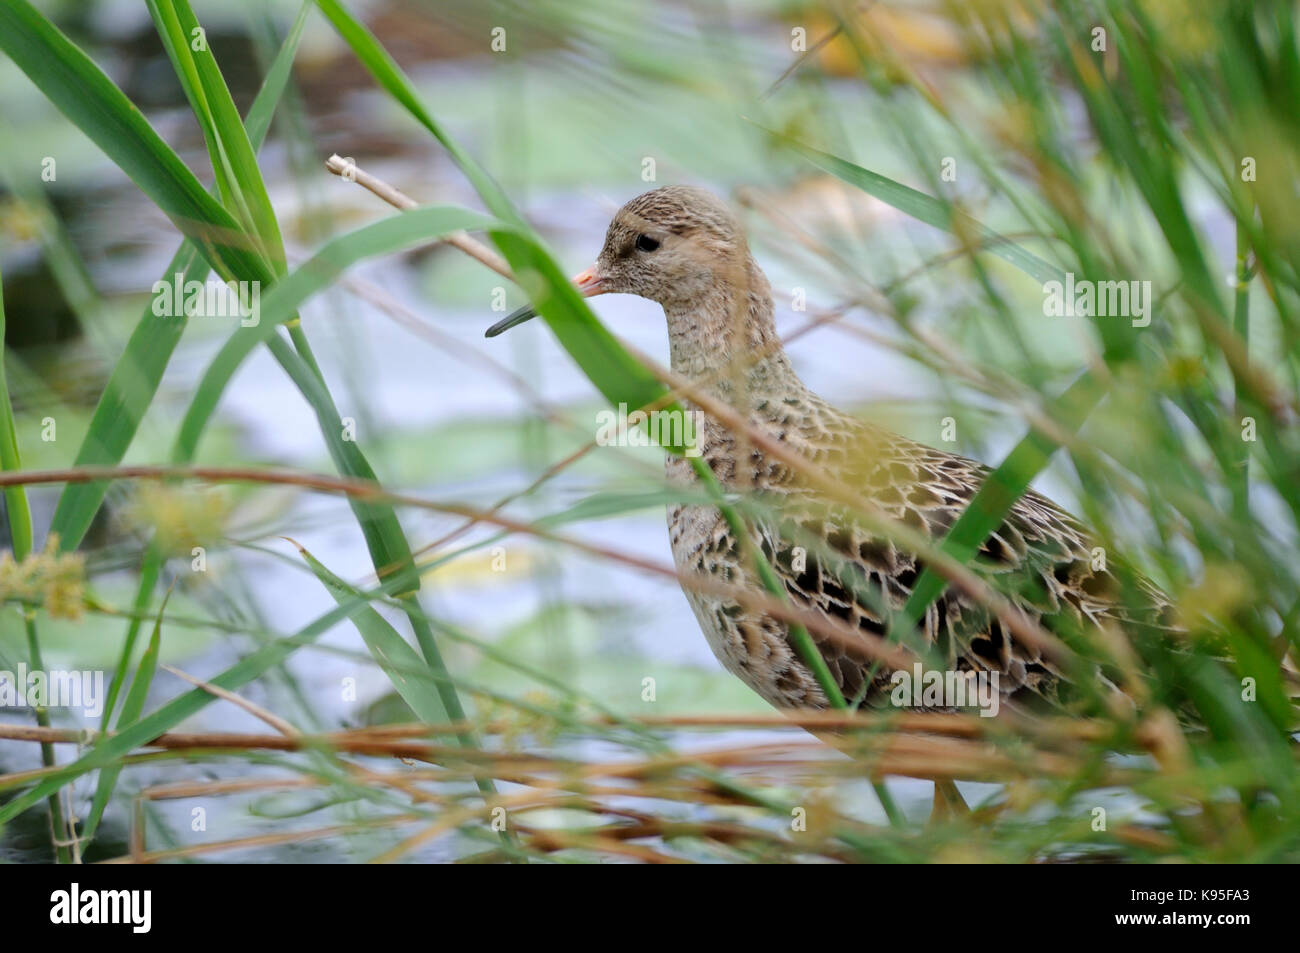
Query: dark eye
(646, 243)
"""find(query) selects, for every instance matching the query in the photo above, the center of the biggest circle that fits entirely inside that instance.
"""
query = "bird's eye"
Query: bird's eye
(646, 243)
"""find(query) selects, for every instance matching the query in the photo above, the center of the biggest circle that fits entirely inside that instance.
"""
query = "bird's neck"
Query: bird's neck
(724, 341)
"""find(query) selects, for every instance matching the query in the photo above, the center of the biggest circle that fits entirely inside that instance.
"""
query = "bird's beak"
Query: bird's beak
(588, 282)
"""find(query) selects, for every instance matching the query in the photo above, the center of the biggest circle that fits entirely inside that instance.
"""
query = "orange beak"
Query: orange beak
(587, 282)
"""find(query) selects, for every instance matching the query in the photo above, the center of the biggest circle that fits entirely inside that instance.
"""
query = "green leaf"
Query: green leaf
(233, 156)
(404, 668)
(604, 505)
(20, 516)
(927, 209)
(131, 710)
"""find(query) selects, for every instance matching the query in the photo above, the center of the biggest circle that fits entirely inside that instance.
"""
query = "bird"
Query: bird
(684, 248)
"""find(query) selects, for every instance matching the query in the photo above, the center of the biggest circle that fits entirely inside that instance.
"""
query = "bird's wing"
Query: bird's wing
(1040, 557)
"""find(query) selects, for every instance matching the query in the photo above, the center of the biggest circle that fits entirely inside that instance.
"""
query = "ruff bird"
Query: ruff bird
(683, 248)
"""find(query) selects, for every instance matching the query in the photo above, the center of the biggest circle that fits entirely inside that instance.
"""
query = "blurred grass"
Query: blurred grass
(1110, 164)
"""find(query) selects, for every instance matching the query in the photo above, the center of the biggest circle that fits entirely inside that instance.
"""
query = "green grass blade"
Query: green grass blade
(258, 120)
(131, 711)
(20, 515)
(233, 156)
(20, 535)
(404, 668)
(389, 550)
(126, 397)
(927, 209)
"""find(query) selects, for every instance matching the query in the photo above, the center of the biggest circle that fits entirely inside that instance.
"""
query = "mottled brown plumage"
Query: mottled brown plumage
(683, 248)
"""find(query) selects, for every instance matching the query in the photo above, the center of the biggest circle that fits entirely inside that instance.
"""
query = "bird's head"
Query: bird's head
(676, 245)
